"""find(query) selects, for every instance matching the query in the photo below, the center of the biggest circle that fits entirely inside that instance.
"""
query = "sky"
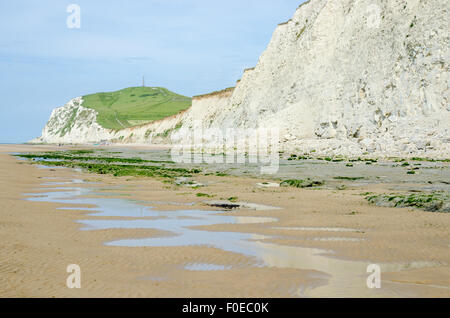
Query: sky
(191, 47)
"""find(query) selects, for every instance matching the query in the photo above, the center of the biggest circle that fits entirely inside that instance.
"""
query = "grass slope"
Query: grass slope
(135, 106)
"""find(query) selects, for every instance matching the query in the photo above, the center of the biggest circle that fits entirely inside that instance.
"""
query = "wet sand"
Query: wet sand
(38, 241)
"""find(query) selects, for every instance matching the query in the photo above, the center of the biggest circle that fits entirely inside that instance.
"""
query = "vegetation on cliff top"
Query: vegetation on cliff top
(135, 106)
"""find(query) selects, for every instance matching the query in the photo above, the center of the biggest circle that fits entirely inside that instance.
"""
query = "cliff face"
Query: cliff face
(341, 77)
(75, 124)
(206, 108)
(348, 77)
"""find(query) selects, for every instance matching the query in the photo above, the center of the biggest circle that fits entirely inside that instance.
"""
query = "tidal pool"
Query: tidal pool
(345, 277)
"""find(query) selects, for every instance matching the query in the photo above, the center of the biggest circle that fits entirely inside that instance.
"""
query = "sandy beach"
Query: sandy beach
(314, 244)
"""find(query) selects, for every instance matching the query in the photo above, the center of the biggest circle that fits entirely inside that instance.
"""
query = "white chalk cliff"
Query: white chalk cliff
(341, 77)
(75, 124)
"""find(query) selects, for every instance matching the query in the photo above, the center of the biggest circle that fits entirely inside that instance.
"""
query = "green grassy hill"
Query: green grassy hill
(135, 106)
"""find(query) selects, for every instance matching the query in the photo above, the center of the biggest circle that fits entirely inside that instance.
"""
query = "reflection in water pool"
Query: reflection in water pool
(347, 277)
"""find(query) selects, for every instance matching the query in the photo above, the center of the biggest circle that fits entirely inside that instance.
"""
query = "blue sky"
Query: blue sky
(189, 46)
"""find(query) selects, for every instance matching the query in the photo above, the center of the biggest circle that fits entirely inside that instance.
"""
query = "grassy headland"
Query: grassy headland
(135, 106)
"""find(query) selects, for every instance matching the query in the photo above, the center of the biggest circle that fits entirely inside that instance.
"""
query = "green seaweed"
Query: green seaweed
(308, 183)
(432, 202)
(119, 170)
(348, 178)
